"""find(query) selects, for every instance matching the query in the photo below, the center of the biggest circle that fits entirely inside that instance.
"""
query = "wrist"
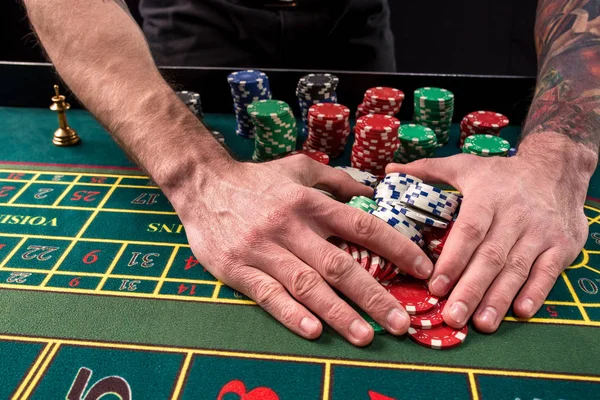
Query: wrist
(559, 156)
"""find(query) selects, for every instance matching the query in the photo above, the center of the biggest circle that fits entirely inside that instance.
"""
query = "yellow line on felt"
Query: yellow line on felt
(594, 220)
(23, 189)
(473, 385)
(127, 294)
(126, 210)
(217, 290)
(591, 269)
(73, 173)
(41, 371)
(577, 322)
(163, 276)
(373, 364)
(13, 251)
(110, 268)
(559, 303)
(32, 370)
(96, 240)
(182, 374)
(23, 205)
(326, 381)
(575, 297)
(67, 190)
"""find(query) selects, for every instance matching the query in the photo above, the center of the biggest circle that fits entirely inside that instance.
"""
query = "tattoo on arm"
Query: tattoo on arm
(567, 97)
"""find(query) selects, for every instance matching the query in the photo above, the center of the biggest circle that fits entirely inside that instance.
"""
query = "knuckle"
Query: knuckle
(303, 281)
(376, 300)
(471, 228)
(336, 312)
(519, 266)
(297, 196)
(364, 225)
(266, 293)
(287, 314)
(492, 254)
(337, 266)
(472, 291)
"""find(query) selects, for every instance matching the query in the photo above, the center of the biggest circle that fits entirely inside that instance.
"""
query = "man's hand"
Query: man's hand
(262, 229)
(520, 225)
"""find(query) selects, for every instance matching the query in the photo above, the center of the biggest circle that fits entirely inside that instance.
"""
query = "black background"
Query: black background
(451, 36)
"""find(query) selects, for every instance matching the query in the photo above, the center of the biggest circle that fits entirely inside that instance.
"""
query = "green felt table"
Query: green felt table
(99, 293)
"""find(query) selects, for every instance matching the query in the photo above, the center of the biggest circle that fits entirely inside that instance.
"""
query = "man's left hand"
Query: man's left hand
(521, 223)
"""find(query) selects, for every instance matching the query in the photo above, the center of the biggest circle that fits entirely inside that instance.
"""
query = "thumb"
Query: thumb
(431, 170)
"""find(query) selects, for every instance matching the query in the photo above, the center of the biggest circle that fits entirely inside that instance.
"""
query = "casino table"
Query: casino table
(101, 297)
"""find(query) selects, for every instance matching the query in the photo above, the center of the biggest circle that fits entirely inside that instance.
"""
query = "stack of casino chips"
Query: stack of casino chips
(393, 186)
(481, 123)
(380, 100)
(246, 88)
(416, 142)
(315, 89)
(366, 178)
(436, 207)
(376, 140)
(434, 108)
(486, 146)
(275, 129)
(328, 128)
(192, 101)
(363, 203)
(435, 239)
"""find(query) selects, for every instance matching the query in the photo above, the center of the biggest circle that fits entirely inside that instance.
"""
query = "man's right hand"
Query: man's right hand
(261, 229)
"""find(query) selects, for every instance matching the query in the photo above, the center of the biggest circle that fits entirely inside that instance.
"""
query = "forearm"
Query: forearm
(102, 55)
(565, 112)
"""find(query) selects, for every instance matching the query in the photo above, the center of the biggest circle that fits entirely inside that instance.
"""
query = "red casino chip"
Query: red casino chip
(384, 94)
(329, 111)
(377, 264)
(378, 123)
(431, 319)
(441, 337)
(413, 295)
(486, 119)
(314, 154)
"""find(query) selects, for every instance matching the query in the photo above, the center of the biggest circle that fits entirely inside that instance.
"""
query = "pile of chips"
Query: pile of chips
(380, 100)
(192, 102)
(328, 128)
(486, 146)
(247, 87)
(275, 129)
(393, 194)
(416, 142)
(375, 142)
(434, 108)
(366, 178)
(316, 155)
(481, 123)
(315, 89)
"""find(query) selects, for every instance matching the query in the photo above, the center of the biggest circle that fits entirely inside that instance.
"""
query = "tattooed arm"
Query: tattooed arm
(567, 97)
(522, 222)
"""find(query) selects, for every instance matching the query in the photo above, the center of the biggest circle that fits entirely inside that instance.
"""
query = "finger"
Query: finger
(432, 170)
(273, 298)
(307, 286)
(371, 232)
(468, 232)
(335, 181)
(341, 271)
(485, 265)
(544, 273)
(505, 287)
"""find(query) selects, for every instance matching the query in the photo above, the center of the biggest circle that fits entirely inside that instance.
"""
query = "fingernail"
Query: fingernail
(309, 326)
(423, 269)
(397, 320)
(360, 330)
(528, 305)
(439, 286)
(458, 312)
(488, 316)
